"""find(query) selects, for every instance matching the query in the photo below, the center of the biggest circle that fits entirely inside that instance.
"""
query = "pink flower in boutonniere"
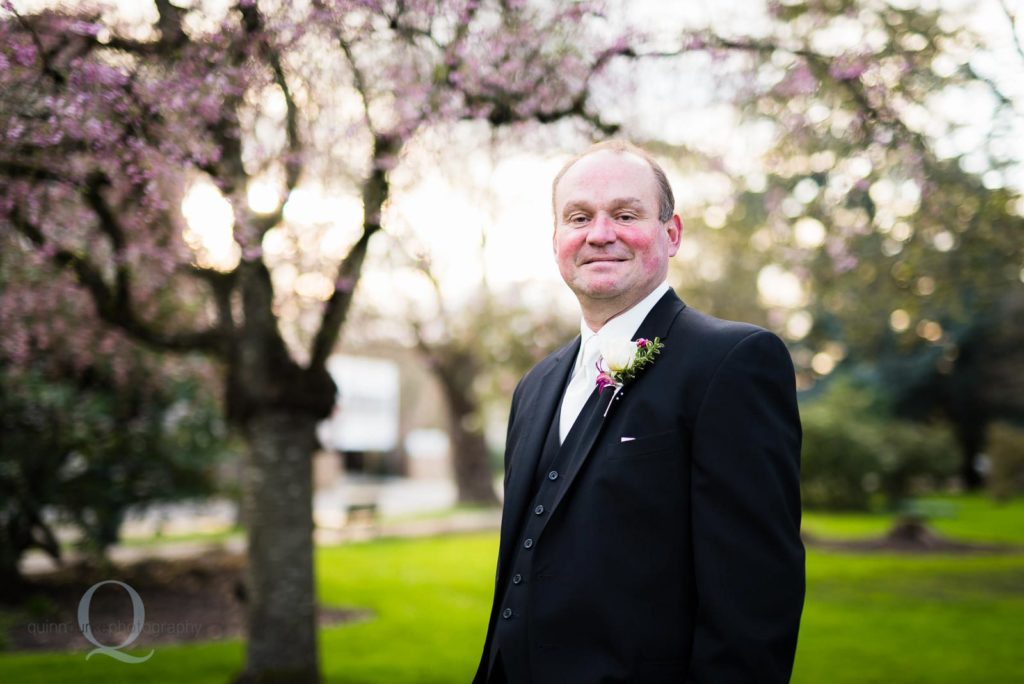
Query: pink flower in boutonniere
(621, 360)
(603, 380)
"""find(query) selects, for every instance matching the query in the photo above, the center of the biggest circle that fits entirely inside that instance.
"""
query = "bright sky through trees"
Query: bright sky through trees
(450, 203)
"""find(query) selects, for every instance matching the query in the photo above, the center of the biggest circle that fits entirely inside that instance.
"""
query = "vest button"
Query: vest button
(553, 475)
(528, 543)
(517, 578)
(539, 509)
(507, 613)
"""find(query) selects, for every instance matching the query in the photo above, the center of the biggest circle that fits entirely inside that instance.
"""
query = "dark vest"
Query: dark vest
(510, 632)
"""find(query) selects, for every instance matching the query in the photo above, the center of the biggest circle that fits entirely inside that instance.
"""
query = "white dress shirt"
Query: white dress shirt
(582, 383)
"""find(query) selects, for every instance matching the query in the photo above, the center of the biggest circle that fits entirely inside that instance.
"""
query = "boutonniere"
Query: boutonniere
(620, 362)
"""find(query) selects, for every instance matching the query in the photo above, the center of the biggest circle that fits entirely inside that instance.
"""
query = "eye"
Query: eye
(626, 218)
(577, 219)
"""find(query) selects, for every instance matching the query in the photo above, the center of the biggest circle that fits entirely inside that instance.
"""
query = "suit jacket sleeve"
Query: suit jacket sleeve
(748, 557)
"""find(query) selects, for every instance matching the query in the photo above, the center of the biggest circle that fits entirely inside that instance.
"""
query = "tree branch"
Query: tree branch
(20, 169)
(114, 307)
(502, 113)
(375, 192)
(820, 65)
(172, 35)
(294, 161)
(359, 81)
(578, 109)
(222, 284)
(337, 307)
(48, 67)
(111, 227)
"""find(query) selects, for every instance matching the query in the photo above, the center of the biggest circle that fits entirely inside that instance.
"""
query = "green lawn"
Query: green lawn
(893, 619)
(974, 518)
(868, 618)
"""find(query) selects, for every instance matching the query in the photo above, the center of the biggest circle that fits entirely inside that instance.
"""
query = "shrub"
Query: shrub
(840, 460)
(852, 449)
(82, 450)
(915, 458)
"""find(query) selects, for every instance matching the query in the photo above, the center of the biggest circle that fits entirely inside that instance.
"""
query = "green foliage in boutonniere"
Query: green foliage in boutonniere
(621, 360)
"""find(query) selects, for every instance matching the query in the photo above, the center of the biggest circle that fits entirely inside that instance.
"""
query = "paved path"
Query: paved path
(484, 520)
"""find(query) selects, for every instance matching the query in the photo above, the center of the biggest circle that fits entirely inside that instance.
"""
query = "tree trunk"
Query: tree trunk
(281, 595)
(473, 477)
(472, 469)
(12, 584)
(970, 433)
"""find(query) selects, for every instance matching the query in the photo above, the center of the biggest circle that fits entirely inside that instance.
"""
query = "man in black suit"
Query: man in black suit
(651, 527)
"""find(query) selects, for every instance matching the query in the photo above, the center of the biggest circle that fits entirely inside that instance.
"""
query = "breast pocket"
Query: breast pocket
(647, 446)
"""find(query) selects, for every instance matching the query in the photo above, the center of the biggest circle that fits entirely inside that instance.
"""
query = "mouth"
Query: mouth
(602, 260)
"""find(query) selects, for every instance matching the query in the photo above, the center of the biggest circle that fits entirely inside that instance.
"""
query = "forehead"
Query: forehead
(606, 175)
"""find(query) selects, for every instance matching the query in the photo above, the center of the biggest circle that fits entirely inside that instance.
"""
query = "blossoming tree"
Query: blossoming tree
(107, 123)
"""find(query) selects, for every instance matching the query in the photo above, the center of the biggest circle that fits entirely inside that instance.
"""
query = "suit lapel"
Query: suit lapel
(657, 324)
(538, 409)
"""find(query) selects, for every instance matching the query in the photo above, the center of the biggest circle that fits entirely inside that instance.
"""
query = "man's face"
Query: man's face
(609, 243)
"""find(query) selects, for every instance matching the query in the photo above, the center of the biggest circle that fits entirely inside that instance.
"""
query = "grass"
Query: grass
(891, 619)
(868, 618)
(443, 514)
(432, 598)
(979, 518)
(205, 537)
(967, 517)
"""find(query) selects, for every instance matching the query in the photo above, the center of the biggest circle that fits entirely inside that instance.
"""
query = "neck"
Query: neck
(596, 323)
(597, 312)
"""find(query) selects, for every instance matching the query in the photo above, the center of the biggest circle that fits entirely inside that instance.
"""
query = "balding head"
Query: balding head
(666, 200)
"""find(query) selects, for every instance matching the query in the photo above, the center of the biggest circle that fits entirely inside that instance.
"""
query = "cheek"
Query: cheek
(567, 246)
(650, 253)
(643, 245)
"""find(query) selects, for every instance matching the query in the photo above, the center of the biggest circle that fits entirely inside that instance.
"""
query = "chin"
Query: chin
(601, 290)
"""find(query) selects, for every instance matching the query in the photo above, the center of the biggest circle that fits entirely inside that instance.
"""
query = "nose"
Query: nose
(602, 231)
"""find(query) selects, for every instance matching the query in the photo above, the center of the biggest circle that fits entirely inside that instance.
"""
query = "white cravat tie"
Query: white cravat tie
(580, 387)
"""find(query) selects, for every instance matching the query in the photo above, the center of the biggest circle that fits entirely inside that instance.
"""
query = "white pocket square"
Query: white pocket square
(626, 439)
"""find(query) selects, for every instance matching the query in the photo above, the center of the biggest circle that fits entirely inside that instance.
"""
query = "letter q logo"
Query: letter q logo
(138, 620)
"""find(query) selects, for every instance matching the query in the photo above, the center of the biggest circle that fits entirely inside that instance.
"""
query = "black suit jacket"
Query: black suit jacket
(674, 556)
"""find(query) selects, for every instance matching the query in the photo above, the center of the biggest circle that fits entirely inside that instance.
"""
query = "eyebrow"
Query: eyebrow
(618, 203)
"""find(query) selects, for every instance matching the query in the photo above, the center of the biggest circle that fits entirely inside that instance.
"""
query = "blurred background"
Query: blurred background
(270, 271)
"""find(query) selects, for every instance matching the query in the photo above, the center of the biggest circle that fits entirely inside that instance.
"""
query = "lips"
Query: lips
(603, 260)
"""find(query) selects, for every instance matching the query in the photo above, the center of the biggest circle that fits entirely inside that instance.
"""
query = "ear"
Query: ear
(674, 227)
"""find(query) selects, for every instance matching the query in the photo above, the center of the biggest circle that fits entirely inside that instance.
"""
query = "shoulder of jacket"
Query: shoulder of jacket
(718, 331)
